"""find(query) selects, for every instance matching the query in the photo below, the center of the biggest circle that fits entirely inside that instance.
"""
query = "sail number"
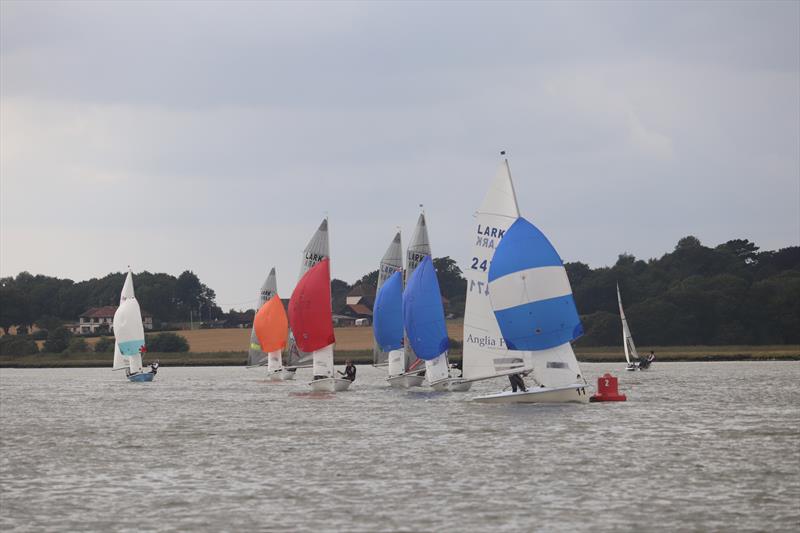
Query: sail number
(482, 266)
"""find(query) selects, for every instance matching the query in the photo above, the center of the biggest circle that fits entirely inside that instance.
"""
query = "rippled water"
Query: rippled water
(697, 446)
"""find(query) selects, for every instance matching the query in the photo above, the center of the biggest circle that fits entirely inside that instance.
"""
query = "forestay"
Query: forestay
(391, 263)
(627, 339)
(533, 304)
(316, 250)
(418, 248)
(485, 354)
(256, 355)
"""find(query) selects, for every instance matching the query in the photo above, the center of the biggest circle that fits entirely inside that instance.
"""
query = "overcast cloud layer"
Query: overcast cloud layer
(216, 136)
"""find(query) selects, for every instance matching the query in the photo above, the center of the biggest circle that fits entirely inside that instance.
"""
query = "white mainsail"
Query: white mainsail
(418, 248)
(391, 262)
(316, 250)
(255, 356)
(627, 338)
(128, 328)
(484, 352)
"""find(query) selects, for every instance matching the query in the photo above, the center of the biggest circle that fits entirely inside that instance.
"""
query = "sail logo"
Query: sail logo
(486, 341)
(487, 235)
(313, 259)
(388, 269)
(414, 258)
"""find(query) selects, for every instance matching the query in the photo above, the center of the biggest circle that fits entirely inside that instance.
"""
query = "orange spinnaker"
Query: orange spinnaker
(271, 325)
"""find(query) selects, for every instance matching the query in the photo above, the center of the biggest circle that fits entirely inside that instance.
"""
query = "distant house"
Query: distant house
(359, 304)
(101, 319)
(343, 320)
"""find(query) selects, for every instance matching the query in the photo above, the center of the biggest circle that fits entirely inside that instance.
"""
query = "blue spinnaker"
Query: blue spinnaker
(423, 314)
(388, 314)
(530, 291)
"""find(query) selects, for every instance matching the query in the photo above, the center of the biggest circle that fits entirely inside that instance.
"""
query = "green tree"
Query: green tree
(166, 342)
(77, 345)
(104, 345)
(57, 340)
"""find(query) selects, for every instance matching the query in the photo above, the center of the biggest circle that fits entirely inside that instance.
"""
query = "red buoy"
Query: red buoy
(607, 390)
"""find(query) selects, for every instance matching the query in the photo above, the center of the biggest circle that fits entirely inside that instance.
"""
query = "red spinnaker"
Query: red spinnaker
(310, 309)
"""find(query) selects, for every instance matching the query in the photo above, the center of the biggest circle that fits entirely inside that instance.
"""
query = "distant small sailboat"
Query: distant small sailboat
(508, 312)
(391, 263)
(631, 355)
(315, 251)
(423, 318)
(311, 320)
(129, 341)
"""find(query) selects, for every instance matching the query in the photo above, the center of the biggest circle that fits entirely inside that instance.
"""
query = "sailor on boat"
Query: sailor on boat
(517, 383)
(645, 363)
(349, 371)
(154, 367)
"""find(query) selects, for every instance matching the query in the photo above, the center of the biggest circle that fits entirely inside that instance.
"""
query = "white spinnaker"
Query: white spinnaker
(437, 369)
(269, 288)
(418, 248)
(128, 327)
(484, 352)
(627, 338)
(323, 362)
(315, 251)
(391, 262)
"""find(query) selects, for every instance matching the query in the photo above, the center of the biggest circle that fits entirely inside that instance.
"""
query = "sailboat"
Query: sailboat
(631, 355)
(256, 355)
(129, 335)
(315, 251)
(487, 353)
(391, 264)
(311, 319)
(406, 372)
(387, 325)
(423, 318)
(271, 327)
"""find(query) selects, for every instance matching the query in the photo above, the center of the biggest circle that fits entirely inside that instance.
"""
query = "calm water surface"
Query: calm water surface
(697, 447)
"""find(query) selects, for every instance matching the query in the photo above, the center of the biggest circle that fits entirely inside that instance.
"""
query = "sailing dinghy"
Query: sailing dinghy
(257, 356)
(406, 372)
(315, 251)
(311, 319)
(487, 353)
(271, 327)
(631, 355)
(423, 318)
(387, 325)
(391, 264)
(129, 335)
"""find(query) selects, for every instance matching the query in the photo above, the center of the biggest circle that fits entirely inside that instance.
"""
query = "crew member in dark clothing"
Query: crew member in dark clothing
(154, 367)
(517, 383)
(349, 371)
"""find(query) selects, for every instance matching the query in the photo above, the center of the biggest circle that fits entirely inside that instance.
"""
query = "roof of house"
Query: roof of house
(106, 311)
(360, 309)
(361, 289)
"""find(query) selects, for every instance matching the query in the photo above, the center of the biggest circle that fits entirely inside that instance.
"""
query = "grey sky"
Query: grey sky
(215, 136)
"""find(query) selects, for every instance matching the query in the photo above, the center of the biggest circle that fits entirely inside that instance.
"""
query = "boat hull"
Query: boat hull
(281, 375)
(144, 377)
(568, 394)
(451, 385)
(330, 385)
(405, 381)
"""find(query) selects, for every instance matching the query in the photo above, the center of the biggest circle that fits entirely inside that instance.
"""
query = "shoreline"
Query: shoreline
(664, 354)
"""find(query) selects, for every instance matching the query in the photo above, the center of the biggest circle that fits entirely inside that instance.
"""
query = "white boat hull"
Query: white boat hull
(405, 381)
(451, 385)
(576, 393)
(330, 385)
(281, 375)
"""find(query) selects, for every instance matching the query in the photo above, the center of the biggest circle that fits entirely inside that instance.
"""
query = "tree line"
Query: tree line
(728, 294)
